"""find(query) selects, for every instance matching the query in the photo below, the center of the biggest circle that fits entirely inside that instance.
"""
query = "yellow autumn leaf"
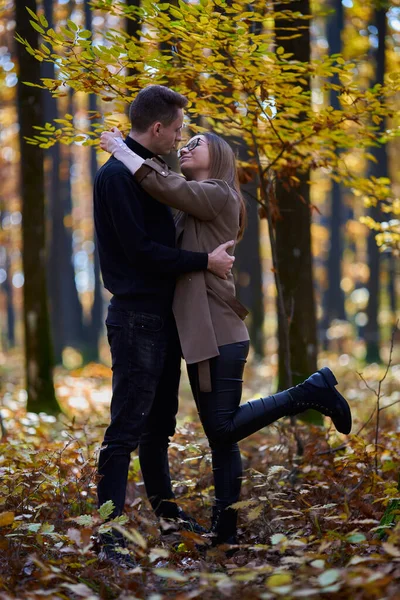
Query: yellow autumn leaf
(391, 549)
(254, 512)
(6, 518)
(279, 579)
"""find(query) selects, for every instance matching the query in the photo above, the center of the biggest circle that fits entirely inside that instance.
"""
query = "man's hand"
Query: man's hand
(220, 262)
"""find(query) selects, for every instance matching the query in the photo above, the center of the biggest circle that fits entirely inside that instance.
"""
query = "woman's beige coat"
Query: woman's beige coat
(205, 307)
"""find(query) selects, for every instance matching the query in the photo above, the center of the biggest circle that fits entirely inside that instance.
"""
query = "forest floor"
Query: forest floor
(309, 525)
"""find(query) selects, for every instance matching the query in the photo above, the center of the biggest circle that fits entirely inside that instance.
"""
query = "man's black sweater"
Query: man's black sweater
(136, 240)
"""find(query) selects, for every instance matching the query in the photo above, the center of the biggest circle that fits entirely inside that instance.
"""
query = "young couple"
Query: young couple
(174, 294)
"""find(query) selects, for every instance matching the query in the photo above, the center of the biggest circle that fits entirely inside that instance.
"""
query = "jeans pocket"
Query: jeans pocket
(147, 322)
(114, 334)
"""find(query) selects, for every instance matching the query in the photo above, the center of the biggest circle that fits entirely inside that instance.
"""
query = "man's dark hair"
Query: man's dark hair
(155, 103)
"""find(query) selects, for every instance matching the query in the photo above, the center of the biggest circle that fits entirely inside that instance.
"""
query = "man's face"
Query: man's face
(167, 138)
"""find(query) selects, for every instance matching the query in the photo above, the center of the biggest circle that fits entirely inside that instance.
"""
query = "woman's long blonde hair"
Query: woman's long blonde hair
(223, 166)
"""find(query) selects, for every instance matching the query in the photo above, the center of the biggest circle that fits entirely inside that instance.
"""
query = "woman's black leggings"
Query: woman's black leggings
(225, 421)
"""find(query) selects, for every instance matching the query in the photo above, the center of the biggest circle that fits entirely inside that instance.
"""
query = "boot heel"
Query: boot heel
(328, 376)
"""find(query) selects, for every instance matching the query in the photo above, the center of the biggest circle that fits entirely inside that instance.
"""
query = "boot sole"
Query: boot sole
(332, 381)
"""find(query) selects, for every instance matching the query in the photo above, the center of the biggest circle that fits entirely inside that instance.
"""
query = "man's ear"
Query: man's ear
(156, 128)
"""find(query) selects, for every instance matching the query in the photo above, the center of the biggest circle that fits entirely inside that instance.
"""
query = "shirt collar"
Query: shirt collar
(138, 148)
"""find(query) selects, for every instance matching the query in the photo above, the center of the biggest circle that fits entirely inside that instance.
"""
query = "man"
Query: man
(139, 263)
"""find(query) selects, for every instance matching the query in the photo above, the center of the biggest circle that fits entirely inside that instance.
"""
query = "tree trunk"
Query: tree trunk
(293, 238)
(8, 288)
(65, 307)
(52, 178)
(333, 300)
(8, 333)
(94, 328)
(391, 260)
(248, 268)
(38, 348)
(71, 306)
(132, 26)
(378, 169)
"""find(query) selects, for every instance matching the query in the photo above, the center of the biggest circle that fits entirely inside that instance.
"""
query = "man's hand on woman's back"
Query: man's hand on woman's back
(220, 262)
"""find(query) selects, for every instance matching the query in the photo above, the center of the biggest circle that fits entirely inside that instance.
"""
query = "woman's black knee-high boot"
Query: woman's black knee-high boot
(224, 525)
(317, 392)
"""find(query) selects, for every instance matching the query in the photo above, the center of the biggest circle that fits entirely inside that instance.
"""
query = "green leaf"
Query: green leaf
(329, 577)
(279, 579)
(247, 576)
(318, 563)
(106, 509)
(176, 13)
(33, 15)
(121, 520)
(72, 25)
(47, 528)
(30, 84)
(69, 34)
(277, 538)
(85, 520)
(170, 574)
(36, 26)
(85, 34)
(355, 538)
(43, 21)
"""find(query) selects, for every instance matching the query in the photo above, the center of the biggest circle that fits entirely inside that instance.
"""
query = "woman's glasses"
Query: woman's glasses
(190, 146)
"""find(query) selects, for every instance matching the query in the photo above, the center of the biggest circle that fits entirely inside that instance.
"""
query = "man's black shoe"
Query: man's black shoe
(182, 522)
(113, 549)
(189, 523)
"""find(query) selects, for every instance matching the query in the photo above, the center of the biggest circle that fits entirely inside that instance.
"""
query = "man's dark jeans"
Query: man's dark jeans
(146, 358)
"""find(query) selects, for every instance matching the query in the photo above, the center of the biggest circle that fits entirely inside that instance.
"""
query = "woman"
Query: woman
(209, 318)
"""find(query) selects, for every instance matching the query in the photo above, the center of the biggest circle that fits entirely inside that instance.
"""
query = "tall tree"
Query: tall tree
(94, 328)
(377, 169)
(133, 25)
(333, 300)
(8, 289)
(293, 237)
(72, 312)
(248, 267)
(8, 334)
(54, 212)
(392, 278)
(38, 348)
(65, 307)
